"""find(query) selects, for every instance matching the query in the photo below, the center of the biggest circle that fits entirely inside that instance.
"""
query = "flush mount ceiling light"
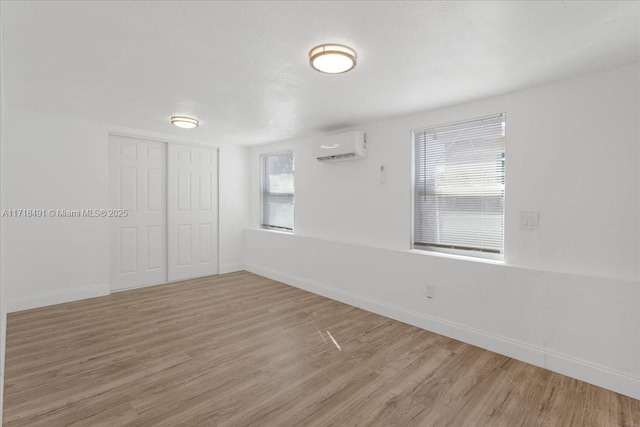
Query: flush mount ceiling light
(184, 122)
(332, 58)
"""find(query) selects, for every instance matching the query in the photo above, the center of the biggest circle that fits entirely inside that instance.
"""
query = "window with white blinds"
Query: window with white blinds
(459, 177)
(278, 191)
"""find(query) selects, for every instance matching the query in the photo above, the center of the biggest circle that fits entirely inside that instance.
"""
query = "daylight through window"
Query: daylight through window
(459, 182)
(278, 191)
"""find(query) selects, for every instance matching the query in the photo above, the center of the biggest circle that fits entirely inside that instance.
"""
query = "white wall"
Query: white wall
(234, 205)
(57, 162)
(566, 296)
(54, 162)
(3, 299)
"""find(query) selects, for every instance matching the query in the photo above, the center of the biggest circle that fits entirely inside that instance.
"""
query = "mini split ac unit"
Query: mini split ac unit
(343, 146)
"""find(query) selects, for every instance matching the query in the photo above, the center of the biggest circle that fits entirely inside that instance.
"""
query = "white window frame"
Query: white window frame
(470, 253)
(263, 174)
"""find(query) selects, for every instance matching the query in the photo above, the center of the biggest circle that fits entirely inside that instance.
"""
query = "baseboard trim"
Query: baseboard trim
(231, 268)
(52, 298)
(562, 364)
(133, 288)
(593, 373)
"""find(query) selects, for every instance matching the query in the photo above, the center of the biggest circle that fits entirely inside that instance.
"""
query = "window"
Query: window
(459, 172)
(277, 191)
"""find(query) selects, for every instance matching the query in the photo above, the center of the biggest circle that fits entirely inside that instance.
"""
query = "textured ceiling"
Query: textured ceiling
(241, 68)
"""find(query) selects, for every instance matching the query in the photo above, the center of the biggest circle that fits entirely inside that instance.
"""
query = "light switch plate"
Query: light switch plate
(529, 220)
(431, 289)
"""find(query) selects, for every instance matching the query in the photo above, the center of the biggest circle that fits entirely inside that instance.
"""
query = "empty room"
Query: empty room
(320, 213)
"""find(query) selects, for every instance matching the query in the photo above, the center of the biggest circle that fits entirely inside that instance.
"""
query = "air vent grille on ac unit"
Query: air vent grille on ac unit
(343, 146)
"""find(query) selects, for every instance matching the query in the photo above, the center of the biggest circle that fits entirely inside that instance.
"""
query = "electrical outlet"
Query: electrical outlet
(431, 289)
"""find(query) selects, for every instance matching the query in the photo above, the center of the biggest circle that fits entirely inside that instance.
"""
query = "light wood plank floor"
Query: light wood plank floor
(243, 350)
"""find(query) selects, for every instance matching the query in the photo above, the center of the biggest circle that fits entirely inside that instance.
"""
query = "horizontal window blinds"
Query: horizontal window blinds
(459, 185)
(278, 191)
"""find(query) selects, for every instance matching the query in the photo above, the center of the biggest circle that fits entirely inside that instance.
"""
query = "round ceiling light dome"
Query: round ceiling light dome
(184, 122)
(332, 58)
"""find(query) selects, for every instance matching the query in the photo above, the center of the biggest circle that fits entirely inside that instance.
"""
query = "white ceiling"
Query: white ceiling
(242, 69)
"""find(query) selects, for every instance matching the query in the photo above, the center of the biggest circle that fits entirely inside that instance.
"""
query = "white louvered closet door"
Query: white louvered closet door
(192, 212)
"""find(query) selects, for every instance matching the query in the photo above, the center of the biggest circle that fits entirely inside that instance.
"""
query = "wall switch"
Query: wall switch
(528, 220)
(430, 290)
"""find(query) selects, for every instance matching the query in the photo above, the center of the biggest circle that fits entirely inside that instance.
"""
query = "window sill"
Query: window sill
(275, 230)
(458, 256)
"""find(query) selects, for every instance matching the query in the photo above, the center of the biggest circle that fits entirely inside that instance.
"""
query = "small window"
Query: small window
(459, 179)
(278, 191)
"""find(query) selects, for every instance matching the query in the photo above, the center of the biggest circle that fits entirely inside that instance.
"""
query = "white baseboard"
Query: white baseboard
(230, 268)
(132, 288)
(593, 373)
(562, 364)
(42, 300)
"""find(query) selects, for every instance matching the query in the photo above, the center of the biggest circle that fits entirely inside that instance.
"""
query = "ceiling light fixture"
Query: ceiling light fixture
(332, 58)
(184, 122)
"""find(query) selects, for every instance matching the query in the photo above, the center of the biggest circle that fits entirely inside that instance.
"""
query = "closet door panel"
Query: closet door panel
(138, 244)
(192, 212)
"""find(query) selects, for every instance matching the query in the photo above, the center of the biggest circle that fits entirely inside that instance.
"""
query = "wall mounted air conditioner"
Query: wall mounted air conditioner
(343, 146)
